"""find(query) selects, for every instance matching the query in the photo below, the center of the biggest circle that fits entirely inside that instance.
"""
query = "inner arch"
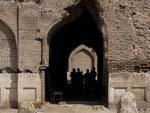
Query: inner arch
(88, 58)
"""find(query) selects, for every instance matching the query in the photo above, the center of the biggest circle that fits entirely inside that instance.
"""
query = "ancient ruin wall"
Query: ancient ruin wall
(125, 25)
(125, 28)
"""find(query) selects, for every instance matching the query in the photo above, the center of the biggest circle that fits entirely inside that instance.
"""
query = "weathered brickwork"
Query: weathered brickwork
(9, 16)
(8, 34)
(8, 47)
(30, 47)
(127, 47)
(27, 26)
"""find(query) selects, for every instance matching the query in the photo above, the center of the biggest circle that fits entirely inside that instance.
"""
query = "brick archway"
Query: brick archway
(57, 25)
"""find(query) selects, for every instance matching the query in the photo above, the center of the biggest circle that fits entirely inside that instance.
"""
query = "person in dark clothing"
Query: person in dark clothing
(73, 77)
(79, 79)
(92, 82)
(87, 80)
(93, 76)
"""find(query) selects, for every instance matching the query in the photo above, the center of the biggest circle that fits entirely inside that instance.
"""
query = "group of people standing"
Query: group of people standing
(80, 81)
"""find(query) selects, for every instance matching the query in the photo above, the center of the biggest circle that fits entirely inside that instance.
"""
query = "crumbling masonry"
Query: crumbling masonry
(26, 26)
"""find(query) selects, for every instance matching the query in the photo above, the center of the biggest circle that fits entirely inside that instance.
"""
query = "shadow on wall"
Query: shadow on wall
(9, 60)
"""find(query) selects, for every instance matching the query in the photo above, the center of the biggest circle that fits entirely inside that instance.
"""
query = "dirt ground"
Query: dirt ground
(66, 108)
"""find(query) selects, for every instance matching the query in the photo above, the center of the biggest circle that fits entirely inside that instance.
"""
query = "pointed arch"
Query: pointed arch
(87, 53)
(8, 51)
(57, 64)
(69, 14)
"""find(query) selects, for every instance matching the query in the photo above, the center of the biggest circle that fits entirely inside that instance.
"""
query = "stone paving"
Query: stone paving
(50, 108)
(8, 110)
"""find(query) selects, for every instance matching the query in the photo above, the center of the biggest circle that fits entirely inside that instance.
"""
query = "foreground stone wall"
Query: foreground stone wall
(29, 88)
(8, 89)
(18, 88)
(137, 83)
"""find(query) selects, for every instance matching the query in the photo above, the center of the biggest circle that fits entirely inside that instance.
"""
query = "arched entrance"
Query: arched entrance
(82, 32)
(82, 57)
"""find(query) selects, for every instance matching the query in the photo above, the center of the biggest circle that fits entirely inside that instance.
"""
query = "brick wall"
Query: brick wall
(8, 56)
(20, 27)
(29, 46)
(124, 24)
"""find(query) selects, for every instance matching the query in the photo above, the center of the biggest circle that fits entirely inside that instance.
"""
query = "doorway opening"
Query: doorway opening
(76, 46)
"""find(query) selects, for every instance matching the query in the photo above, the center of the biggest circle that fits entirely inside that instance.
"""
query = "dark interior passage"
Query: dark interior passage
(81, 31)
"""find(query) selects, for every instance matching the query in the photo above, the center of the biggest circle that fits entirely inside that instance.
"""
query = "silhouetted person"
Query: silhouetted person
(93, 75)
(81, 79)
(78, 71)
(92, 82)
(79, 84)
(73, 77)
(86, 80)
